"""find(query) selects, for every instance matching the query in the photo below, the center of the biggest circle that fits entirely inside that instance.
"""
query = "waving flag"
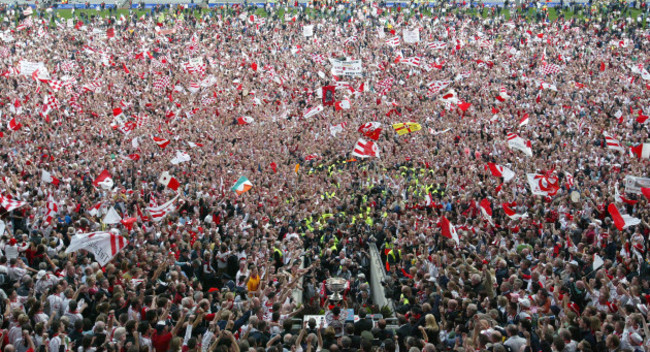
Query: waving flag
(48, 178)
(501, 171)
(336, 129)
(365, 149)
(14, 125)
(169, 181)
(436, 86)
(641, 151)
(104, 180)
(181, 157)
(621, 221)
(242, 186)
(511, 213)
(449, 230)
(411, 61)
(159, 212)
(550, 69)
(406, 127)
(313, 111)
(437, 45)
(612, 142)
(542, 184)
(10, 204)
(103, 245)
(394, 41)
(486, 210)
(245, 120)
(371, 130)
(516, 142)
(162, 142)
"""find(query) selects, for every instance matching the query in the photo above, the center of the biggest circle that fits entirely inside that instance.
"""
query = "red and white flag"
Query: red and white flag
(449, 230)
(394, 41)
(245, 120)
(543, 184)
(336, 129)
(162, 142)
(501, 171)
(641, 151)
(550, 69)
(104, 180)
(10, 204)
(169, 181)
(411, 61)
(103, 245)
(621, 221)
(519, 143)
(313, 111)
(14, 125)
(486, 210)
(371, 130)
(437, 45)
(385, 86)
(511, 213)
(48, 178)
(51, 209)
(365, 149)
(612, 142)
(342, 105)
(158, 213)
(436, 86)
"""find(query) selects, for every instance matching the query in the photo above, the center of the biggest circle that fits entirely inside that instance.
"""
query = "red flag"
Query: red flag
(448, 230)
(126, 70)
(274, 167)
(13, 125)
(254, 66)
(646, 192)
(110, 33)
(128, 223)
(464, 106)
(602, 66)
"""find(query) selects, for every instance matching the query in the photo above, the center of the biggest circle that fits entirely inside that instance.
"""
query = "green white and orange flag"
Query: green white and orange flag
(242, 186)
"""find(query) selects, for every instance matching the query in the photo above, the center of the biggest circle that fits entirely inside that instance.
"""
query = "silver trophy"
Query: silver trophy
(336, 285)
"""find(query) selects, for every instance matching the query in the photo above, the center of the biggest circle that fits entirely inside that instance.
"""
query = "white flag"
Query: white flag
(180, 157)
(112, 217)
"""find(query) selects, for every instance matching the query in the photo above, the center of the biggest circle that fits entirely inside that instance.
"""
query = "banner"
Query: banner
(346, 68)
(328, 95)
(412, 36)
(28, 67)
(634, 184)
(308, 31)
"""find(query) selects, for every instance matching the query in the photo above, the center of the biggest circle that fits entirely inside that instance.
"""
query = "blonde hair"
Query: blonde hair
(431, 322)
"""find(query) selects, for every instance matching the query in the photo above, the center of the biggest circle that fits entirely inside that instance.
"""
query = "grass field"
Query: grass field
(553, 13)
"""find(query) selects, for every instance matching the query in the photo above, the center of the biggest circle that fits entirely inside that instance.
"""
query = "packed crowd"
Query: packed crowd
(170, 181)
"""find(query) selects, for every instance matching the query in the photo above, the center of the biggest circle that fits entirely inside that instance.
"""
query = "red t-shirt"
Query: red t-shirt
(161, 342)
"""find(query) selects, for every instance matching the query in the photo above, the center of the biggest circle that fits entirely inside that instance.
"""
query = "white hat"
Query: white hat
(40, 274)
(636, 339)
(525, 302)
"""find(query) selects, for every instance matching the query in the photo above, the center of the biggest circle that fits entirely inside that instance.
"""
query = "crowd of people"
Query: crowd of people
(171, 181)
